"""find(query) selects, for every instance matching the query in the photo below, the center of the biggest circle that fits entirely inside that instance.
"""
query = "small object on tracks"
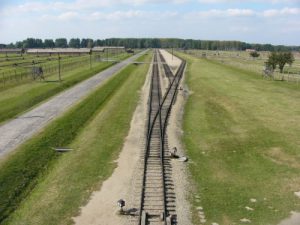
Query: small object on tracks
(173, 155)
(144, 217)
(121, 204)
(183, 159)
(162, 216)
(173, 152)
(171, 219)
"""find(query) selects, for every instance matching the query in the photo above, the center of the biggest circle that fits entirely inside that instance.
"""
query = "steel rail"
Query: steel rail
(149, 130)
(166, 67)
(174, 83)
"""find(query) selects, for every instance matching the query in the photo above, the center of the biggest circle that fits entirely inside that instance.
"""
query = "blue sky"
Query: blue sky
(254, 21)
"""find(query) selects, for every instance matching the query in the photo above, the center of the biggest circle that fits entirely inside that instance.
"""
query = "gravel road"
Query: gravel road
(18, 130)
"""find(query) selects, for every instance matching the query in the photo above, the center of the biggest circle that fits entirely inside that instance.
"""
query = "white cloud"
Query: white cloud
(282, 12)
(118, 18)
(34, 6)
(38, 6)
(112, 16)
(213, 1)
(68, 16)
(135, 14)
(221, 13)
(119, 15)
(244, 29)
(270, 12)
(227, 13)
(141, 2)
(240, 12)
(249, 1)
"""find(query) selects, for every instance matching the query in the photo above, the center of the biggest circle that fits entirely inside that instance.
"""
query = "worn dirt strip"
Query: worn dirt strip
(20, 129)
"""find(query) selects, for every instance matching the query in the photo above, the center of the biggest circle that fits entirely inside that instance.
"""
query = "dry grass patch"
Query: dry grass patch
(279, 156)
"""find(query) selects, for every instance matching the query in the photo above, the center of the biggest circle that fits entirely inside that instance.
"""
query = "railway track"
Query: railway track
(157, 202)
(167, 69)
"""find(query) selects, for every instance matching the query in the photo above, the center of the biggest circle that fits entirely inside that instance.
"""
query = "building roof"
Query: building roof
(102, 48)
(98, 49)
(58, 50)
(250, 50)
(12, 50)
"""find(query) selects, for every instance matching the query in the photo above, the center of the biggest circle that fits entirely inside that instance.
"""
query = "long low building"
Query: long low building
(11, 50)
(40, 51)
(109, 48)
(50, 51)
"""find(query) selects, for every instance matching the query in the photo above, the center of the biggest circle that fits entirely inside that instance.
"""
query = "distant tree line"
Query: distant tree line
(147, 43)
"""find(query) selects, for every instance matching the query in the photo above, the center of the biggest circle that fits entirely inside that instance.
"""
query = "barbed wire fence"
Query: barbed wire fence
(38, 70)
(290, 74)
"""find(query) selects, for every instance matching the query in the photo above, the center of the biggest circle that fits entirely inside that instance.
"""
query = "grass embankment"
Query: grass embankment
(242, 136)
(45, 187)
(16, 100)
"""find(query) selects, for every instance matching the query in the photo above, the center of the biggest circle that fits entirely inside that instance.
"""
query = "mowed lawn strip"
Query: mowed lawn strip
(16, 100)
(90, 162)
(242, 136)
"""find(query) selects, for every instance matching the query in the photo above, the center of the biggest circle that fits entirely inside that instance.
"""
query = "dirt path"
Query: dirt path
(172, 61)
(102, 208)
(164, 81)
(20, 129)
(179, 169)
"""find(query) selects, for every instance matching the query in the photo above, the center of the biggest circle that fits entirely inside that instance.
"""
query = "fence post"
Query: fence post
(90, 60)
(106, 54)
(59, 76)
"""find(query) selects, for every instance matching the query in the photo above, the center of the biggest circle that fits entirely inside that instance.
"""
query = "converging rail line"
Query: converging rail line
(167, 69)
(157, 206)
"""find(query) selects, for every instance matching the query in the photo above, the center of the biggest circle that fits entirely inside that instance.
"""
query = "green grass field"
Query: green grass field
(44, 187)
(241, 134)
(243, 60)
(16, 100)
